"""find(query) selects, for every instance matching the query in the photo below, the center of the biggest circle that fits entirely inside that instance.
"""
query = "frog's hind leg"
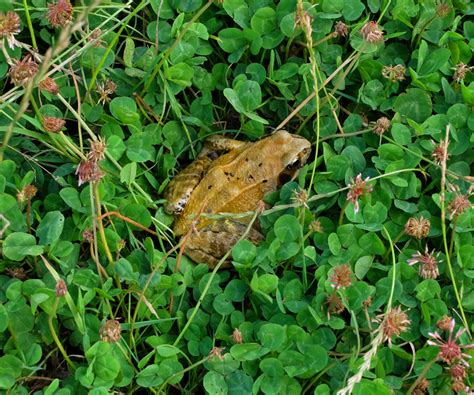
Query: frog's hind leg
(182, 185)
(211, 243)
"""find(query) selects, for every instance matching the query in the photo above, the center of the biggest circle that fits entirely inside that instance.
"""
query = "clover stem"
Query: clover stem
(453, 235)
(55, 336)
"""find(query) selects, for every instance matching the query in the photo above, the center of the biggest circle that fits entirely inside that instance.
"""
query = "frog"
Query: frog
(229, 176)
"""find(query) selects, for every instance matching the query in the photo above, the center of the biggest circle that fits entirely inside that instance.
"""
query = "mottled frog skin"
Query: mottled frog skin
(230, 176)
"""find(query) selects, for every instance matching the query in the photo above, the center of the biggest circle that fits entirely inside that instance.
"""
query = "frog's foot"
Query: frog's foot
(213, 241)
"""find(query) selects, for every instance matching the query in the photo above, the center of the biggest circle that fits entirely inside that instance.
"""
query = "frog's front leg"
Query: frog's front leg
(211, 243)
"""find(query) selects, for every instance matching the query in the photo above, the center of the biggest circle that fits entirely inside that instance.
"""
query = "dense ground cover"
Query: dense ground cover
(364, 282)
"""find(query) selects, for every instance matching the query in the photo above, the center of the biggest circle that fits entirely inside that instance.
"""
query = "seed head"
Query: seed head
(340, 29)
(300, 197)
(335, 304)
(105, 89)
(428, 264)
(49, 85)
(417, 227)
(16, 272)
(421, 387)
(393, 323)
(440, 152)
(394, 73)
(458, 386)
(341, 276)
(60, 13)
(381, 125)
(372, 33)
(110, 331)
(53, 124)
(95, 36)
(23, 71)
(367, 302)
(444, 323)
(88, 236)
(358, 188)
(9, 26)
(97, 151)
(315, 226)
(458, 205)
(460, 72)
(216, 352)
(237, 336)
(88, 170)
(61, 288)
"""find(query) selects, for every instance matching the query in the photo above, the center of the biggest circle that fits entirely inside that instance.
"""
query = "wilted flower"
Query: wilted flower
(341, 276)
(367, 302)
(27, 193)
(458, 205)
(315, 226)
(381, 125)
(458, 386)
(53, 124)
(421, 387)
(216, 352)
(97, 151)
(450, 351)
(460, 71)
(9, 26)
(442, 9)
(61, 288)
(95, 36)
(372, 33)
(105, 89)
(49, 85)
(417, 227)
(444, 323)
(23, 71)
(17, 272)
(88, 170)
(394, 73)
(428, 264)
(340, 29)
(110, 331)
(300, 197)
(237, 336)
(358, 188)
(334, 303)
(60, 13)
(438, 153)
(393, 323)
(458, 372)
(88, 236)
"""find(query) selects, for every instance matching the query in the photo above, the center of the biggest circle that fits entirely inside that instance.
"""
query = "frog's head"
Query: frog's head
(295, 153)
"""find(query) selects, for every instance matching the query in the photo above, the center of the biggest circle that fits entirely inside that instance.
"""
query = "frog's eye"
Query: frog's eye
(296, 164)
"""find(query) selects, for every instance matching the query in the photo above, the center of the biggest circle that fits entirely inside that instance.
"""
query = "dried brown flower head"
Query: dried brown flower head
(458, 205)
(61, 288)
(300, 197)
(60, 13)
(367, 303)
(372, 33)
(237, 336)
(358, 188)
(444, 323)
(340, 29)
(335, 304)
(110, 331)
(460, 71)
(9, 26)
(216, 352)
(53, 124)
(95, 36)
(442, 10)
(315, 226)
(394, 73)
(105, 89)
(421, 387)
(88, 170)
(440, 152)
(449, 350)
(23, 71)
(88, 236)
(97, 151)
(417, 227)
(49, 85)
(458, 386)
(381, 125)
(341, 276)
(27, 193)
(428, 264)
(393, 323)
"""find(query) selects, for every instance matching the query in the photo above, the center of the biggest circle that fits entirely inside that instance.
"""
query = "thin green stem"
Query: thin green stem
(394, 270)
(55, 336)
(30, 25)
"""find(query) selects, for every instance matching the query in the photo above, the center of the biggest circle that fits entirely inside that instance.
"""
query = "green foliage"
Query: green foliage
(95, 294)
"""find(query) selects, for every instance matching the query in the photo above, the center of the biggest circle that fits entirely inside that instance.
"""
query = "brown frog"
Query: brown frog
(230, 176)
